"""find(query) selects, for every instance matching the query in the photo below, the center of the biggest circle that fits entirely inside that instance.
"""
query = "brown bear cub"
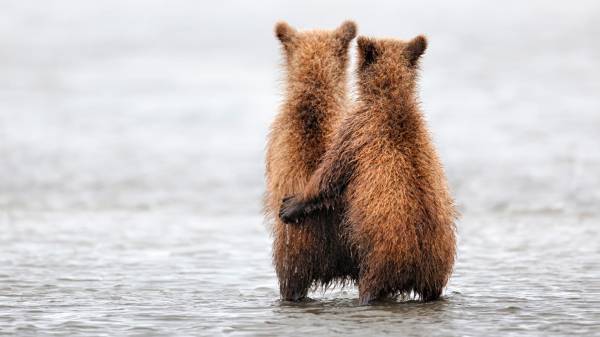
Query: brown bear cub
(316, 64)
(382, 168)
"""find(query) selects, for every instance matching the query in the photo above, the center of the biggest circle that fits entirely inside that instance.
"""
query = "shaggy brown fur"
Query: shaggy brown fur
(384, 169)
(315, 98)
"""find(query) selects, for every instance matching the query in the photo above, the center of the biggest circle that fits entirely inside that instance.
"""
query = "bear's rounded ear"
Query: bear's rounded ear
(284, 32)
(367, 51)
(346, 32)
(415, 48)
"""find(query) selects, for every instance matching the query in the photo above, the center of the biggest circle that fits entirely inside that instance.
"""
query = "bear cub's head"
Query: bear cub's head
(317, 54)
(389, 65)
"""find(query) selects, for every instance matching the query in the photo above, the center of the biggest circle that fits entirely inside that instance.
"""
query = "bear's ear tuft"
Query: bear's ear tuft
(284, 32)
(367, 51)
(346, 32)
(415, 48)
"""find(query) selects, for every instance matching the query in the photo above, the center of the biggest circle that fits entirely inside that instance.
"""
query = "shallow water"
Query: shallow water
(183, 273)
(131, 145)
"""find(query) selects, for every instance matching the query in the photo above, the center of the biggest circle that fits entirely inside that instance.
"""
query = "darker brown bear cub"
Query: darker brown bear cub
(383, 169)
(315, 99)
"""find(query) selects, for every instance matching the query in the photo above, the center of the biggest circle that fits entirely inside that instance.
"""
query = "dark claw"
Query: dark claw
(291, 210)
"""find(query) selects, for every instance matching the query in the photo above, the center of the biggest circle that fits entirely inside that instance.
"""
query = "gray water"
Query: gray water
(131, 168)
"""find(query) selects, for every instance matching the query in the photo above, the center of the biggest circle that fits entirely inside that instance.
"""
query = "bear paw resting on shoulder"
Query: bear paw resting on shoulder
(384, 171)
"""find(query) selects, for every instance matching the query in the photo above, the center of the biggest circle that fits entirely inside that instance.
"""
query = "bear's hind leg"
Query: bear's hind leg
(298, 259)
(384, 276)
(295, 272)
(432, 294)
(293, 288)
(371, 287)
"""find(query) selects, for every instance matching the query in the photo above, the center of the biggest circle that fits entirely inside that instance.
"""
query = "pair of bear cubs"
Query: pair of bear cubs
(357, 193)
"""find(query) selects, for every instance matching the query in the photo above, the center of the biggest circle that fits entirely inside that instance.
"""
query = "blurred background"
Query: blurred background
(132, 139)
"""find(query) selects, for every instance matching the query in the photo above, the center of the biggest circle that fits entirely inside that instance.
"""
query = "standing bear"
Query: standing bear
(316, 64)
(384, 171)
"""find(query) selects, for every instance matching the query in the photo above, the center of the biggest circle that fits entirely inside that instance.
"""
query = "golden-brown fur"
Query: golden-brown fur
(315, 99)
(383, 168)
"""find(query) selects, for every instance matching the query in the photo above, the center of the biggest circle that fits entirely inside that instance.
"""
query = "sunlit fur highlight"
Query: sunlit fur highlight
(315, 98)
(383, 169)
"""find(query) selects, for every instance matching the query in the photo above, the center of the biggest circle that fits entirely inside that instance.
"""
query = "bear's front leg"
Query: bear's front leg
(292, 210)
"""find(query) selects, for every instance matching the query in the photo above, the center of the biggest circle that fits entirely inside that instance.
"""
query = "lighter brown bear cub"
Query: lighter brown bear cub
(316, 63)
(383, 168)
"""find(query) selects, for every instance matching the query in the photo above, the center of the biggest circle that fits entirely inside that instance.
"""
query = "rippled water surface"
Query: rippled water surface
(131, 168)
